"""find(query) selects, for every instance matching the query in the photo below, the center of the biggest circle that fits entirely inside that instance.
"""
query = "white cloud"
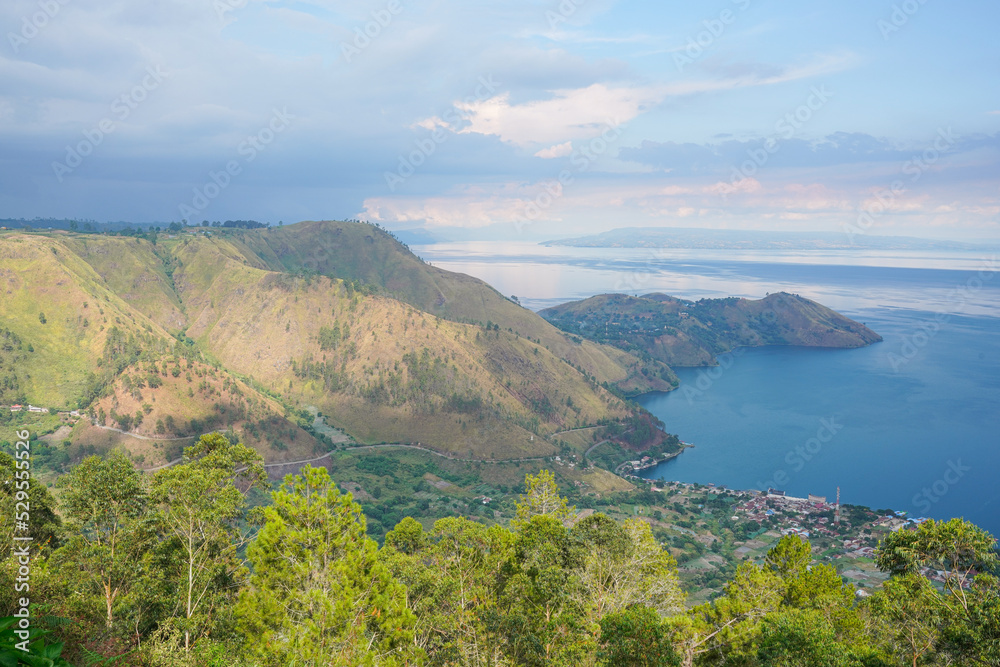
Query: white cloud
(582, 113)
(568, 114)
(559, 150)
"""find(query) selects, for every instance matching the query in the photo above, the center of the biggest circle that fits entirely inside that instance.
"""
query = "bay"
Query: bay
(911, 423)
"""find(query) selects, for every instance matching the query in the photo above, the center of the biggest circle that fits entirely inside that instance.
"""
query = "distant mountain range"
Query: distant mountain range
(724, 239)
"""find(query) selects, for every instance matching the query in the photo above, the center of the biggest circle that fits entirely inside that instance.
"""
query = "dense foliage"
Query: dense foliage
(192, 566)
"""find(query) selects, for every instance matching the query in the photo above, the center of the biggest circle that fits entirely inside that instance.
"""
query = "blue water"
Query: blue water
(883, 422)
(911, 423)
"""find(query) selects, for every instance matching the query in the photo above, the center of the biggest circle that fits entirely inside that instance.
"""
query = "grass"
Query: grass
(248, 301)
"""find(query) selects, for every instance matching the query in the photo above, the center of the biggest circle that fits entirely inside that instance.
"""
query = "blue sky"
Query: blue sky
(523, 117)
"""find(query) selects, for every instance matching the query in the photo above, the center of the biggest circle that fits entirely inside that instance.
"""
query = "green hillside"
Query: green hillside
(692, 333)
(338, 317)
(372, 256)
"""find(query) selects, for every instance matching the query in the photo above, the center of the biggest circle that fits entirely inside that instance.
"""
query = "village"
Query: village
(711, 522)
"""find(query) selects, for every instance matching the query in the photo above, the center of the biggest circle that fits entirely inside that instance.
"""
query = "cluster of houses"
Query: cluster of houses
(898, 520)
(759, 507)
(560, 462)
(857, 547)
(763, 506)
(644, 462)
(28, 408)
(35, 408)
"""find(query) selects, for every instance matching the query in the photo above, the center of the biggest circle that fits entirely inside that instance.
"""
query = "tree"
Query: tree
(44, 525)
(909, 616)
(636, 637)
(789, 557)
(200, 505)
(451, 575)
(105, 504)
(958, 548)
(794, 638)
(729, 625)
(624, 565)
(540, 616)
(966, 613)
(23, 500)
(541, 498)
(319, 595)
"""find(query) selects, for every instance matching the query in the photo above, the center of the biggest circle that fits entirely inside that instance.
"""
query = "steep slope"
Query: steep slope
(361, 252)
(137, 271)
(379, 368)
(61, 308)
(685, 333)
(69, 339)
(152, 336)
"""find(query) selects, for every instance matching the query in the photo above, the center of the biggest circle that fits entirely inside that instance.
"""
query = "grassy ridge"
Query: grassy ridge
(370, 255)
(339, 316)
(392, 372)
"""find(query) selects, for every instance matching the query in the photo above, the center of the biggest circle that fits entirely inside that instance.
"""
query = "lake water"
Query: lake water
(912, 423)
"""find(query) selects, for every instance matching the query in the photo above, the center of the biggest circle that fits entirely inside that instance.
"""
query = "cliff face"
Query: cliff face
(686, 333)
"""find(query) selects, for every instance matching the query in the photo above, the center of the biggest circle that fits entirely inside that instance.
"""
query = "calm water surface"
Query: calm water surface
(912, 423)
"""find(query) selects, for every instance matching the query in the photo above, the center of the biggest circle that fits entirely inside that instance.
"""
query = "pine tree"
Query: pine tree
(319, 594)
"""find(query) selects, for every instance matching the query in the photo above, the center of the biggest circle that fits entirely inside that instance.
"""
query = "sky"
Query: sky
(522, 118)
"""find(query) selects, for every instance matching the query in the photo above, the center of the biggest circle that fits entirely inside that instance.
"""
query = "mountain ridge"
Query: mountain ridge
(692, 333)
(335, 315)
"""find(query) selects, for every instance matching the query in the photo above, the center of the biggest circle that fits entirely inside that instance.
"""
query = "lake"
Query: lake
(912, 423)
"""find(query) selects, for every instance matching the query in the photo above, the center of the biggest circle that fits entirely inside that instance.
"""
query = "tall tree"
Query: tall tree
(201, 502)
(966, 611)
(636, 637)
(541, 616)
(318, 594)
(541, 498)
(451, 574)
(105, 505)
(909, 616)
(956, 547)
(795, 637)
(44, 524)
(624, 565)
